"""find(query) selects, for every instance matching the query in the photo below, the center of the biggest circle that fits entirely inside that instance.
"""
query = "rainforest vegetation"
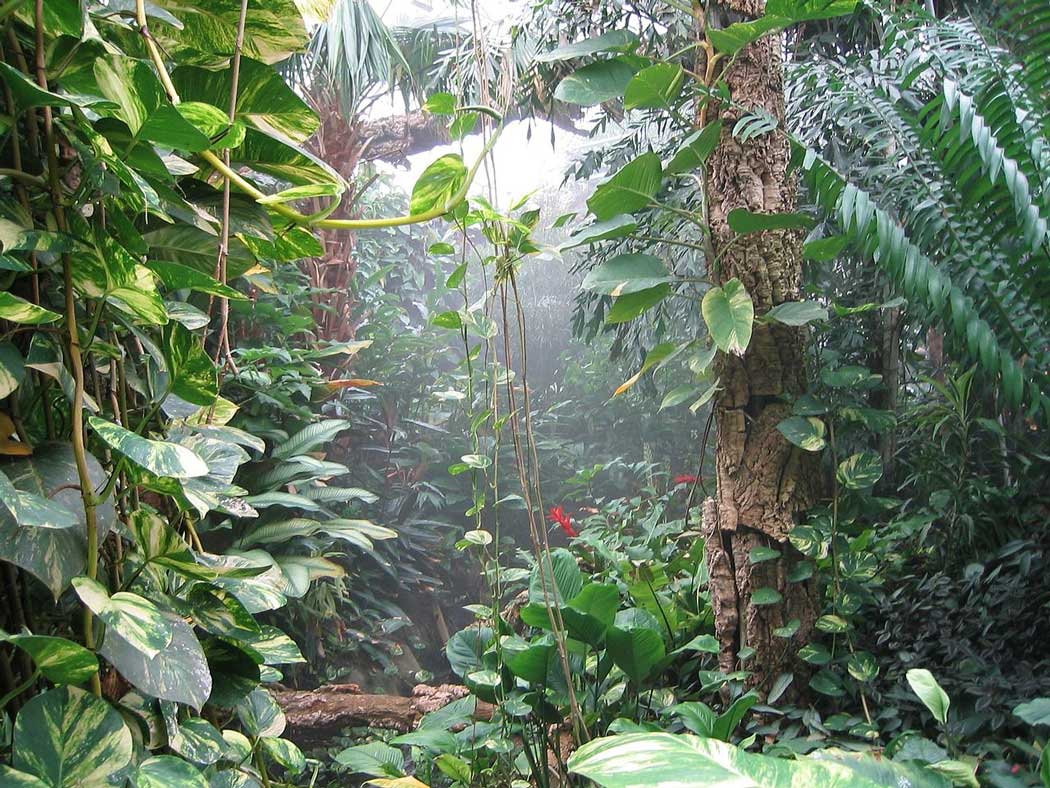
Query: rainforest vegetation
(547, 393)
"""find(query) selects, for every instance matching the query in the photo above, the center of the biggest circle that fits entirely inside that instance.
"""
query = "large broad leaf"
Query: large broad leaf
(466, 648)
(860, 471)
(566, 583)
(194, 248)
(606, 42)
(33, 510)
(628, 307)
(68, 738)
(158, 457)
(655, 87)
(664, 760)
(138, 621)
(1034, 712)
(52, 555)
(191, 374)
(27, 94)
(275, 156)
(274, 29)
(264, 99)
(108, 270)
(629, 190)
(179, 672)
(167, 771)
(176, 276)
(260, 715)
(797, 313)
(930, 693)
(438, 184)
(779, 15)
(806, 432)
(742, 220)
(729, 315)
(135, 88)
(627, 273)
(60, 661)
(595, 83)
(695, 149)
(635, 651)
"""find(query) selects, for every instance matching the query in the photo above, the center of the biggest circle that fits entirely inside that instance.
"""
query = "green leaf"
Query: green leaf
(375, 758)
(779, 14)
(706, 643)
(176, 276)
(261, 715)
(678, 395)
(264, 100)
(796, 313)
(664, 760)
(635, 651)
(52, 555)
(658, 355)
(607, 41)
(806, 432)
(70, 739)
(1034, 712)
(655, 87)
(273, 29)
(133, 86)
(766, 596)
(626, 274)
(168, 771)
(832, 624)
(440, 104)
(742, 221)
(466, 648)
(12, 369)
(930, 693)
(631, 189)
(178, 672)
(591, 612)
(629, 306)
(310, 437)
(595, 83)
(567, 579)
(695, 149)
(27, 94)
(136, 619)
(529, 661)
(824, 249)
(860, 471)
(729, 315)
(191, 374)
(616, 227)
(60, 661)
(158, 457)
(284, 752)
(32, 510)
(302, 193)
(438, 184)
(760, 554)
(863, 666)
(18, 310)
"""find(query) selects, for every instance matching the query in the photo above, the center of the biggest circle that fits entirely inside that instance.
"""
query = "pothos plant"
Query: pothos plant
(151, 160)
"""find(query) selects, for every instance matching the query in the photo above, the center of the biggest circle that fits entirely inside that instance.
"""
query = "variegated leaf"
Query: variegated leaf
(32, 510)
(60, 661)
(70, 739)
(136, 620)
(159, 457)
(167, 771)
(53, 556)
(260, 715)
(193, 738)
(178, 672)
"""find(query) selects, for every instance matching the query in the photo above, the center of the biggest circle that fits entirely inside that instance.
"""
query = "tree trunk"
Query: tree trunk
(764, 483)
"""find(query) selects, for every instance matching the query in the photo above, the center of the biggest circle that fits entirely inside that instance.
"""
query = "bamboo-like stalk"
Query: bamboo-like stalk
(87, 493)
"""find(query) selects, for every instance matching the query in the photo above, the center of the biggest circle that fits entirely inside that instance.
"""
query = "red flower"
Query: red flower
(558, 515)
(684, 478)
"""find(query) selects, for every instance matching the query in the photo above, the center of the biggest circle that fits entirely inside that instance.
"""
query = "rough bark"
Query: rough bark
(764, 482)
(397, 137)
(314, 716)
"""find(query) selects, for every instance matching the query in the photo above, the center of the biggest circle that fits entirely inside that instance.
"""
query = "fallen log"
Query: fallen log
(314, 716)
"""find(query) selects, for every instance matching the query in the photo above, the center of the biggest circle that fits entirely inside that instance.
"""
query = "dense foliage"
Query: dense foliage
(267, 421)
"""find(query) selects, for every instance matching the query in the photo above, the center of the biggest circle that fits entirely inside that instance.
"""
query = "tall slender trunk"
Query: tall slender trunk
(764, 483)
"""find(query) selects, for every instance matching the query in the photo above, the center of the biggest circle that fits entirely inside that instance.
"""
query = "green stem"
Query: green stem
(289, 213)
(19, 689)
(76, 361)
(18, 175)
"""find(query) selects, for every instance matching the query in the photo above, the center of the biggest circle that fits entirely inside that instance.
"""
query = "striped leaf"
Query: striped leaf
(33, 510)
(178, 672)
(137, 621)
(167, 771)
(60, 661)
(664, 760)
(309, 438)
(18, 310)
(158, 457)
(68, 738)
(260, 715)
